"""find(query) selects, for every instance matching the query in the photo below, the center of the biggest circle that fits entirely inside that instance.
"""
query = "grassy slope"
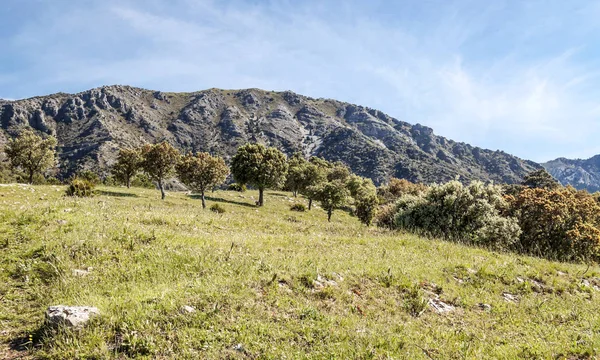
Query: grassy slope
(150, 258)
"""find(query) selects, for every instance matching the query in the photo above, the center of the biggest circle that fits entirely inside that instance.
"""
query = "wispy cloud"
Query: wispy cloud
(514, 76)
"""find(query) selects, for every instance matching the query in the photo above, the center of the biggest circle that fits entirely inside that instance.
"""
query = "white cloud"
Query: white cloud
(470, 72)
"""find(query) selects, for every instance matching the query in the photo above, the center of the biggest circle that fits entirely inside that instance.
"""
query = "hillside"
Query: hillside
(582, 174)
(270, 283)
(91, 125)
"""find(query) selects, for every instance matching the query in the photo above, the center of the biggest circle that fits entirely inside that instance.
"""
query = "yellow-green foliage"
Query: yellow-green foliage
(80, 187)
(268, 284)
(559, 223)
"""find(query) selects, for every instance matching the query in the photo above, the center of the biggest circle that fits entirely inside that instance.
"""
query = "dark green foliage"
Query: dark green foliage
(332, 195)
(31, 153)
(540, 179)
(298, 207)
(158, 162)
(80, 188)
(217, 208)
(129, 162)
(142, 181)
(89, 176)
(259, 166)
(236, 187)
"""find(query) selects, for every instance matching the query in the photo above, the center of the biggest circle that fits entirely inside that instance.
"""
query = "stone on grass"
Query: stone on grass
(440, 307)
(70, 316)
(187, 309)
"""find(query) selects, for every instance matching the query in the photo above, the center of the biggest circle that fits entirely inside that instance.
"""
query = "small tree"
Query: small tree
(540, 179)
(31, 153)
(296, 177)
(159, 162)
(127, 166)
(202, 172)
(332, 195)
(260, 167)
(364, 193)
(315, 173)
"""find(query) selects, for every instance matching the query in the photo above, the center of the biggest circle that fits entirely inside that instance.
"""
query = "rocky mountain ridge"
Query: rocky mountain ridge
(90, 126)
(580, 173)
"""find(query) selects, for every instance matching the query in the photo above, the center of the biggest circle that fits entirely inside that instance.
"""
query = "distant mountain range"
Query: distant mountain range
(92, 125)
(582, 174)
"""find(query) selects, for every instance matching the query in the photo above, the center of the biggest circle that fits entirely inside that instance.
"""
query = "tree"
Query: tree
(127, 166)
(31, 153)
(296, 177)
(260, 167)
(331, 195)
(540, 179)
(159, 162)
(202, 172)
(364, 193)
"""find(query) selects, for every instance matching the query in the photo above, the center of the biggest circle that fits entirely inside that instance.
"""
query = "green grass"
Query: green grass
(250, 273)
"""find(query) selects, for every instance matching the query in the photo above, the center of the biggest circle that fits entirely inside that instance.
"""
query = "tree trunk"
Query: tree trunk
(260, 197)
(162, 189)
(329, 212)
(295, 193)
(128, 182)
(309, 203)
(203, 201)
(30, 177)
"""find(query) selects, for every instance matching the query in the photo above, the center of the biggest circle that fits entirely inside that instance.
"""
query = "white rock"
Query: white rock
(187, 309)
(440, 307)
(71, 316)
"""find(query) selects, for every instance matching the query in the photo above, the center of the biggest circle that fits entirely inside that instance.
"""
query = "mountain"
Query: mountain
(92, 125)
(582, 174)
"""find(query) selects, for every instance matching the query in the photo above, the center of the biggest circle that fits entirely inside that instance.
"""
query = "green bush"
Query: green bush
(236, 187)
(298, 207)
(142, 181)
(217, 208)
(80, 188)
(89, 176)
(463, 213)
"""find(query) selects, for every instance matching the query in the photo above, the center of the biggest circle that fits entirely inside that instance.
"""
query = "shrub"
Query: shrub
(397, 188)
(236, 187)
(80, 188)
(298, 207)
(366, 203)
(89, 176)
(465, 213)
(142, 181)
(560, 223)
(217, 208)
(385, 216)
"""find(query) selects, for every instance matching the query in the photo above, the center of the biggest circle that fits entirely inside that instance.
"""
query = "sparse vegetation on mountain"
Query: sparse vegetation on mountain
(202, 172)
(31, 153)
(92, 124)
(259, 166)
(158, 162)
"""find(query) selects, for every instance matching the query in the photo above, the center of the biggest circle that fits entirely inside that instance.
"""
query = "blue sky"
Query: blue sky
(520, 76)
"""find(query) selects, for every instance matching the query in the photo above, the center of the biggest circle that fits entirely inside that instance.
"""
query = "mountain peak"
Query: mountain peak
(92, 124)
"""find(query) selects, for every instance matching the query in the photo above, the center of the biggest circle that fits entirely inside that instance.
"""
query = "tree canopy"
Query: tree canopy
(259, 166)
(31, 153)
(202, 171)
(127, 166)
(159, 162)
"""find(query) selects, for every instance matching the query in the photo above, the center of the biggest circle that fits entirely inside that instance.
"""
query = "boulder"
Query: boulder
(70, 316)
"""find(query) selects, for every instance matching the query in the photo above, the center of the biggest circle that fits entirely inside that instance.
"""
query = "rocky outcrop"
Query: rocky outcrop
(90, 126)
(581, 174)
(75, 317)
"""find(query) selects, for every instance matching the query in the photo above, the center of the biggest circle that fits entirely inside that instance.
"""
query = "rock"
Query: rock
(510, 297)
(70, 316)
(186, 309)
(61, 222)
(485, 307)
(80, 273)
(440, 307)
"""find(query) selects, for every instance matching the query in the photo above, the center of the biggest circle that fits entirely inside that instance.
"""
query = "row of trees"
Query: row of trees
(332, 184)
